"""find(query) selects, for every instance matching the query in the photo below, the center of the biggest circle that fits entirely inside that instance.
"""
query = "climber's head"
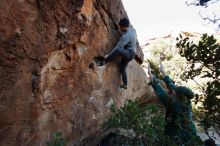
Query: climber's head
(183, 93)
(124, 24)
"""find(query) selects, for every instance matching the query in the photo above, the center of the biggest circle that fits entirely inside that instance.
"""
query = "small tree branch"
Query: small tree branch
(203, 88)
(216, 130)
(214, 1)
(192, 3)
(213, 20)
(203, 3)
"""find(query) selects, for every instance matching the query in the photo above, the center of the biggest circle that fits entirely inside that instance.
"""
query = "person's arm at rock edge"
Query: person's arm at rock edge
(158, 89)
(169, 82)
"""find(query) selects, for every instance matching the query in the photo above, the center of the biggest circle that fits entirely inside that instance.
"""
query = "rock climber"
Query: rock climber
(126, 48)
(179, 126)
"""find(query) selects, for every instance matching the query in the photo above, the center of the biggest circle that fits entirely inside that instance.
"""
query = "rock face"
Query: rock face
(47, 79)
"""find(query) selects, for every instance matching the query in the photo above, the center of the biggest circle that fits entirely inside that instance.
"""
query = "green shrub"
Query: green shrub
(56, 140)
(203, 58)
(146, 121)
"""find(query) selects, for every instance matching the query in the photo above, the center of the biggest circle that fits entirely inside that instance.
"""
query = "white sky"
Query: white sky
(153, 18)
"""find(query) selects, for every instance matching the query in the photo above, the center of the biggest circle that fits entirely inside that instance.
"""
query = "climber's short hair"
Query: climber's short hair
(124, 22)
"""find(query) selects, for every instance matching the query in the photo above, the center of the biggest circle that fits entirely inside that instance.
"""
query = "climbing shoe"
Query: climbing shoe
(100, 61)
(124, 86)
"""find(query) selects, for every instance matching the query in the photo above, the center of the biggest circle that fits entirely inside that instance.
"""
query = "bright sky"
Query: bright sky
(154, 18)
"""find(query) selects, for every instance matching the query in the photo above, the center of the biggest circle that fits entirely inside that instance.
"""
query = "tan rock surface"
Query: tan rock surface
(46, 48)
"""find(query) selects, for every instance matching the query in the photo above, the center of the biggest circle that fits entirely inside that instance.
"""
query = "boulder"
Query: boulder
(49, 79)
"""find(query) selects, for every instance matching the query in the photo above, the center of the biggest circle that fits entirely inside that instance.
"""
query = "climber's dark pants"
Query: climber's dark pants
(127, 56)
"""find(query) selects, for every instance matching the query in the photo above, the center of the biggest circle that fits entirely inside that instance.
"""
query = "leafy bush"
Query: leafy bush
(164, 50)
(204, 61)
(146, 121)
(56, 140)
